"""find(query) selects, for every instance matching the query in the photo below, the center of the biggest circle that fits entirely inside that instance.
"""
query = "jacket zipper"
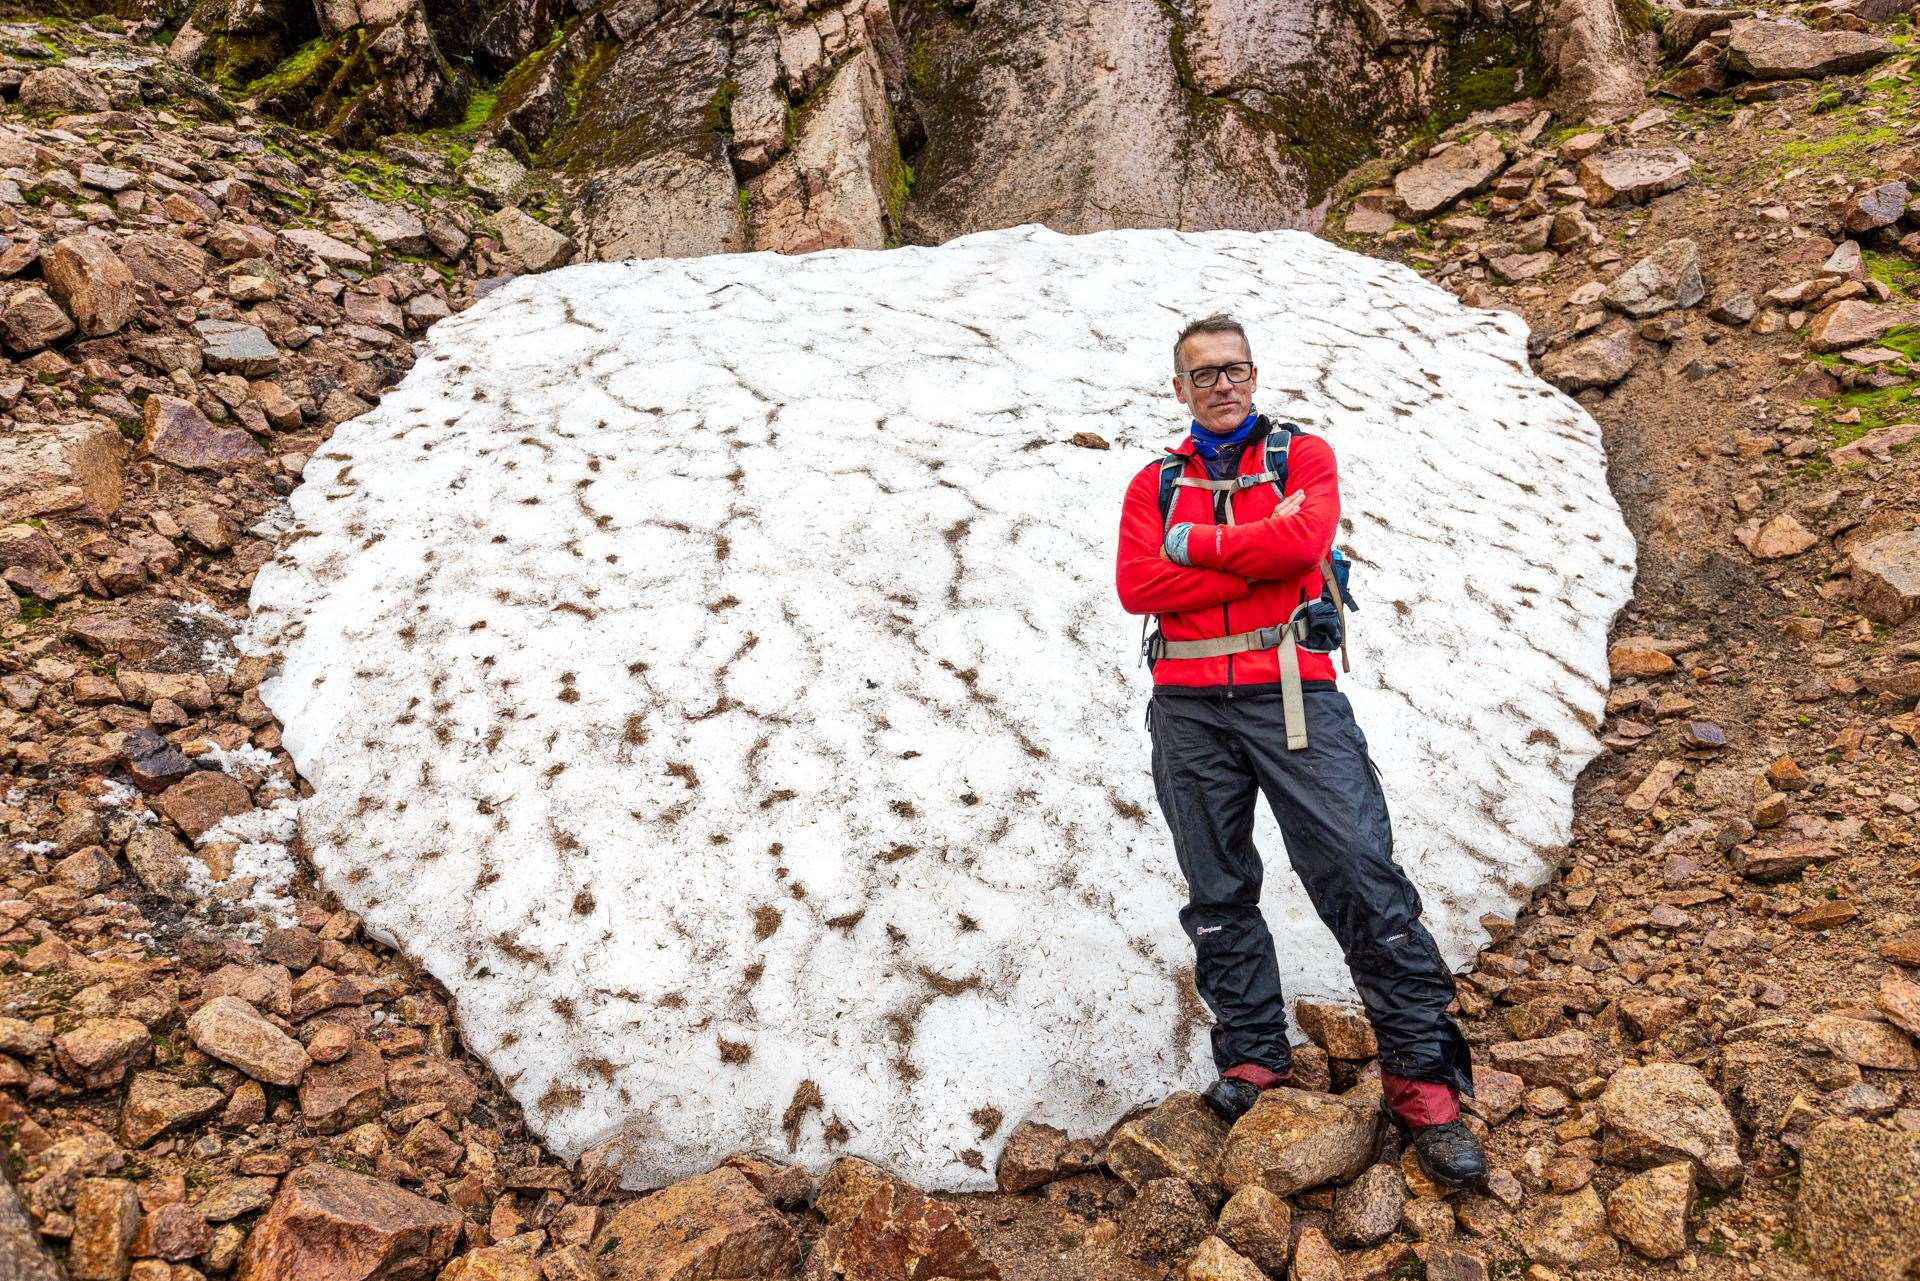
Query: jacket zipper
(1226, 614)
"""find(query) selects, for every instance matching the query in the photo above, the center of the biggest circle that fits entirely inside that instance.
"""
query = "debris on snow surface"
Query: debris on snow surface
(710, 670)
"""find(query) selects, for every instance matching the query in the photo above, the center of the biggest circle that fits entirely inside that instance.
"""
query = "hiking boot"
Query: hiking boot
(1449, 1154)
(1232, 1098)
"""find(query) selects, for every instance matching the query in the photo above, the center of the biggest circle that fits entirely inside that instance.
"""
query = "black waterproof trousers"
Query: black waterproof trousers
(1210, 756)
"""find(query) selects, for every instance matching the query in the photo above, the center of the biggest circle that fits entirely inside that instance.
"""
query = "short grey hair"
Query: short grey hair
(1218, 323)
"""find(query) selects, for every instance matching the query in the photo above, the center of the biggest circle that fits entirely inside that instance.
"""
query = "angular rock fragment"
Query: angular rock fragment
(178, 433)
(1425, 189)
(1857, 1208)
(1667, 278)
(1564, 1060)
(228, 1029)
(157, 1103)
(1182, 1138)
(91, 282)
(716, 1224)
(329, 1224)
(1163, 1224)
(1293, 1140)
(1886, 577)
(1635, 174)
(1599, 361)
(1667, 1111)
(1649, 1211)
(1568, 1231)
(1769, 50)
(1259, 1225)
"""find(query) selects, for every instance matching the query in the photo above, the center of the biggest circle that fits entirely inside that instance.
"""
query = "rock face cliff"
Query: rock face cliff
(683, 128)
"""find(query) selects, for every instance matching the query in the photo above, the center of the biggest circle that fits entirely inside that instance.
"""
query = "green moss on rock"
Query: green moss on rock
(1487, 67)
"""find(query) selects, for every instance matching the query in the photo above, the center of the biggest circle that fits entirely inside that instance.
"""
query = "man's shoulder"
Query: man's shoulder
(1306, 444)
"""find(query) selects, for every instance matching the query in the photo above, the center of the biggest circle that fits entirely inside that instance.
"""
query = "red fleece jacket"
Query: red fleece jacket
(1252, 573)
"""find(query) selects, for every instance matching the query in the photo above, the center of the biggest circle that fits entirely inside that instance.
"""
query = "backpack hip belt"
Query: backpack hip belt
(1284, 637)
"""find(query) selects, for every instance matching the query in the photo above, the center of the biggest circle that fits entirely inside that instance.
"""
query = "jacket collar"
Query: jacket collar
(1262, 427)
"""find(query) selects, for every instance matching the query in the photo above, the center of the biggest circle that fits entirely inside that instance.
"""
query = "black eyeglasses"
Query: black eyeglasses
(1207, 375)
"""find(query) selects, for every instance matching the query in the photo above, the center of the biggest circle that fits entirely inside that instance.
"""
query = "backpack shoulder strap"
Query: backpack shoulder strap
(1279, 441)
(1171, 468)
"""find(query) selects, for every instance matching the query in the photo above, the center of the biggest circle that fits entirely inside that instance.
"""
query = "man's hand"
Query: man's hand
(1291, 503)
(1174, 546)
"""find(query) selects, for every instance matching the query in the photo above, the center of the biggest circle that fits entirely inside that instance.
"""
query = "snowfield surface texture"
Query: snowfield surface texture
(711, 671)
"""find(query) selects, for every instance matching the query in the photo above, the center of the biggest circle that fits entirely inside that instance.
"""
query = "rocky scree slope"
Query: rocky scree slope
(1695, 1048)
(690, 128)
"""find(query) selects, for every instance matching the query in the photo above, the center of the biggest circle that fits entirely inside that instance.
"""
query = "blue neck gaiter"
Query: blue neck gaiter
(1210, 443)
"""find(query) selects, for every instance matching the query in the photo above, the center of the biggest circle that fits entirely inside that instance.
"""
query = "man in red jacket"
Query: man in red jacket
(1241, 707)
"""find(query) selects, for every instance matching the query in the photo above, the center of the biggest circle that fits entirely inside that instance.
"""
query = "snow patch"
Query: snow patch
(247, 762)
(261, 882)
(121, 795)
(710, 670)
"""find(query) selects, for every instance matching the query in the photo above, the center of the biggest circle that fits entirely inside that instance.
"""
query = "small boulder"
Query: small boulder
(235, 347)
(1315, 1259)
(1777, 539)
(30, 319)
(1649, 1211)
(157, 1103)
(495, 1263)
(1366, 1211)
(62, 89)
(1635, 174)
(1341, 1030)
(178, 433)
(1852, 323)
(97, 1053)
(1565, 1059)
(1422, 190)
(1259, 1225)
(1599, 361)
(333, 252)
(329, 1224)
(496, 174)
(106, 1213)
(1857, 1209)
(164, 262)
(846, 1188)
(1663, 1112)
(199, 802)
(1638, 656)
(1771, 50)
(1667, 278)
(228, 1029)
(529, 242)
(716, 1224)
(1293, 1140)
(1215, 1260)
(1032, 1156)
(387, 223)
(1886, 577)
(1899, 1000)
(1182, 1138)
(1865, 1043)
(91, 283)
(1568, 1231)
(1163, 1224)
(1879, 206)
(69, 467)
(346, 1092)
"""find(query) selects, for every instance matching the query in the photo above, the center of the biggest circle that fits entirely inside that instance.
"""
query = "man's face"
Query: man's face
(1223, 406)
